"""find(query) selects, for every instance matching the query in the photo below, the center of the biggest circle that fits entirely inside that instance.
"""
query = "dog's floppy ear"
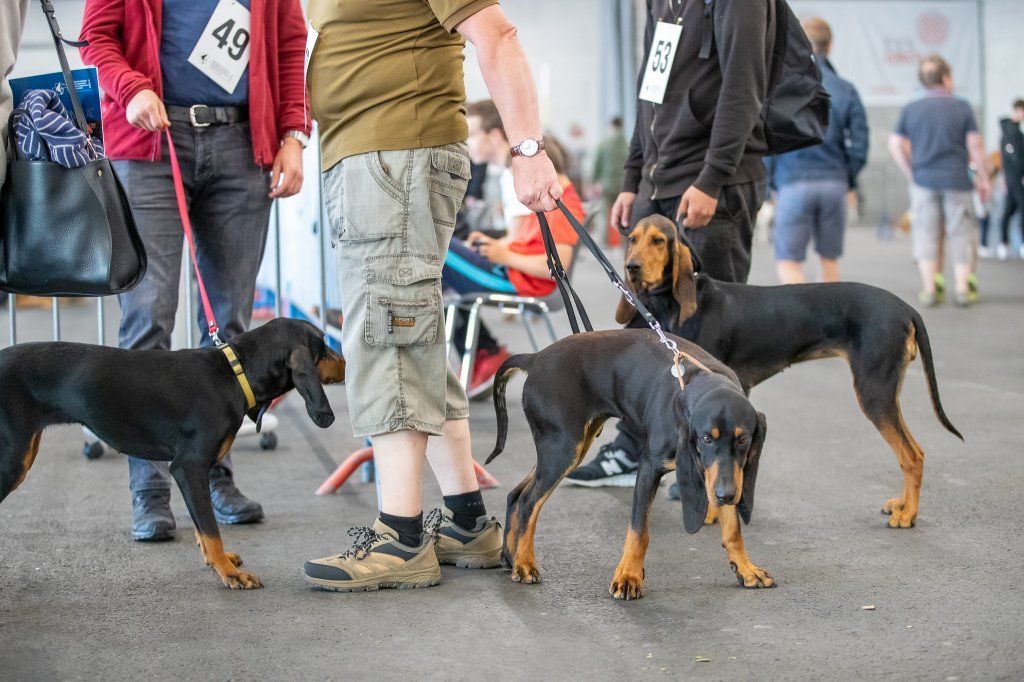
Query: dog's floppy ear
(625, 313)
(684, 281)
(746, 504)
(689, 475)
(307, 382)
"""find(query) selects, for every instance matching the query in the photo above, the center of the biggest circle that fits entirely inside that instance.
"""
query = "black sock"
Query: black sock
(466, 508)
(409, 528)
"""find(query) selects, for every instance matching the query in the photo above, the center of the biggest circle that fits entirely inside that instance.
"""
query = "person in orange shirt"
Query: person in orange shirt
(515, 264)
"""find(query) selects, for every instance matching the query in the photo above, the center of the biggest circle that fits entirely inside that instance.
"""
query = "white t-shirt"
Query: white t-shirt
(511, 206)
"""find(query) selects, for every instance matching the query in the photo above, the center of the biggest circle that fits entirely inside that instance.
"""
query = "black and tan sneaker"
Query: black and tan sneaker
(477, 548)
(376, 561)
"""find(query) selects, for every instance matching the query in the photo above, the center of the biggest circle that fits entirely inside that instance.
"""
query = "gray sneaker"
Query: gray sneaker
(612, 468)
(377, 560)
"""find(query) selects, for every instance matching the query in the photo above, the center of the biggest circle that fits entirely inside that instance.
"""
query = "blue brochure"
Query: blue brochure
(86, 83)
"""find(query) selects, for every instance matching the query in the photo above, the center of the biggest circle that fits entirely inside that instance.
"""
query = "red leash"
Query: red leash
(179, 191)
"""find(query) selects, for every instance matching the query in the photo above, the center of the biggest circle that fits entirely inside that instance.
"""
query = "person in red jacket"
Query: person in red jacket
(227, 79)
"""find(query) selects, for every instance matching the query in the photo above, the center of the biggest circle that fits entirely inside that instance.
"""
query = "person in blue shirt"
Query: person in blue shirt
(935, 144)
(811, 184)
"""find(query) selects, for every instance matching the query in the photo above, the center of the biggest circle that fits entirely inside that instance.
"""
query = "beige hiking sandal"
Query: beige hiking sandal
(377, 560)
(477, 548)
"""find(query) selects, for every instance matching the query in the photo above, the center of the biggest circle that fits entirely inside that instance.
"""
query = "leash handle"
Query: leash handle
(186, 224)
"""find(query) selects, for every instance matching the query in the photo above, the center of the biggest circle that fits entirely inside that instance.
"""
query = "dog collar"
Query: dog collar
(236, 367)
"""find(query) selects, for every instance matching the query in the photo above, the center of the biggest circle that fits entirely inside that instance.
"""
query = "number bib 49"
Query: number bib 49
(222, 52)
(659, 63)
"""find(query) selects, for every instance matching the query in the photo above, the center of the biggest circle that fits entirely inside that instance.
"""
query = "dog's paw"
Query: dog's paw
(902, 518)
(241, 581)
(627, 586)
(233, 558)
(527, 574)
(712, 516)
(751, 577)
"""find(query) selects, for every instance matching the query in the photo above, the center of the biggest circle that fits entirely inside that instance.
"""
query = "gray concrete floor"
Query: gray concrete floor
(79, 599)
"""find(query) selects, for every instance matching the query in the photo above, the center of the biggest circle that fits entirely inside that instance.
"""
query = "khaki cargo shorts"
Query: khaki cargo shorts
(392, 215)
(933, 212)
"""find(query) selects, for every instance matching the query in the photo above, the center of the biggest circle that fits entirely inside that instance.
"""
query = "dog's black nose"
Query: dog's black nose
(632, 267)
(724, 499)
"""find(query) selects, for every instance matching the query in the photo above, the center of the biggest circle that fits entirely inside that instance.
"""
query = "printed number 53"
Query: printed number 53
(239, 41)
(662, 54)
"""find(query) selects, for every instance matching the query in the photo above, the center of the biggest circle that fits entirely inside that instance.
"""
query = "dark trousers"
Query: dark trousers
(229, 208)
(724, 248)
(467, 272)
(1014, 205)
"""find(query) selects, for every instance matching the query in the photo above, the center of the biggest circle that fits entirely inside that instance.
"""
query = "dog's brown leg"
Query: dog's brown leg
(628, 581)
(552, 466)
(16, 469)
(712, 515)
(902, 510)
(747, 573)
(193, 479)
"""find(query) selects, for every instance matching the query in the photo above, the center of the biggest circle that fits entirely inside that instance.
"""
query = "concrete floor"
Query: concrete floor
(79, 599)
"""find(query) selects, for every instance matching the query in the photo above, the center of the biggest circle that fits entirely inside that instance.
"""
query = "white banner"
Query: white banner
(877, 45)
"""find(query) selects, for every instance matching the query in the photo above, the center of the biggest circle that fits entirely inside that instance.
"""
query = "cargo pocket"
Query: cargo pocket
(449, 175)
(375, 200)
(403, 300)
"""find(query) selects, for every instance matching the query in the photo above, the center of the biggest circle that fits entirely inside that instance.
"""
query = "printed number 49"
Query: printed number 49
(662, 53)
(239, 41)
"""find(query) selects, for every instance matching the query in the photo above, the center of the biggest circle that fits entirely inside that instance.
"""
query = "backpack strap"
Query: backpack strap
(707, 29)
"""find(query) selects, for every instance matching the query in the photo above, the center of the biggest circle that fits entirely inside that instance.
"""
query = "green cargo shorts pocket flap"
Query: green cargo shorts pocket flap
(403, 300)
(450, 171)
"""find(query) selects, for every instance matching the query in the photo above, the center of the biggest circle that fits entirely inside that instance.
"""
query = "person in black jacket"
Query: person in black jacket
(1012, 149)
(699, 151)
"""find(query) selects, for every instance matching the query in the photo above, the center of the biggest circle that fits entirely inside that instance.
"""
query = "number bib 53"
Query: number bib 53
(659, 63)
(222, 51)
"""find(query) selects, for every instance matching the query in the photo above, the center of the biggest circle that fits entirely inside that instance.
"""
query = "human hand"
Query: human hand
(536, 182)
(475, 237)
(494, 250)
(698, 208)
(622, 209)
(286, 175)
(146, 111)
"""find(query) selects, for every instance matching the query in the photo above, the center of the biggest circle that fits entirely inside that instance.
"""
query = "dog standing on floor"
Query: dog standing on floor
(183, 406)
(708, 433)
(760, 331)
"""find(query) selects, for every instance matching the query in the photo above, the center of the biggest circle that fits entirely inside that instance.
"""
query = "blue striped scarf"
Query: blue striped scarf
(43, 131)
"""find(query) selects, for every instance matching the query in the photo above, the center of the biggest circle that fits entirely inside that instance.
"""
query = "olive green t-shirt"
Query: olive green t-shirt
(387, 74)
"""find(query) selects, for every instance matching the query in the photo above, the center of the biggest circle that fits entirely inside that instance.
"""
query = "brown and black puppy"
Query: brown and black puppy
(760, 331)
(179, 406)
(708, 433)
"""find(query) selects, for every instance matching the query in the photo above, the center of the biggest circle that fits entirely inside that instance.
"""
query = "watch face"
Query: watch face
(529, 148)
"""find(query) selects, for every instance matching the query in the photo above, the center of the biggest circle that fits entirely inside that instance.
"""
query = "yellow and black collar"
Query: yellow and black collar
(236, 367)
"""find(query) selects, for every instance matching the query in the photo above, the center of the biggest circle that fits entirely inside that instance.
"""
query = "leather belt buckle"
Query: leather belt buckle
(192, 116)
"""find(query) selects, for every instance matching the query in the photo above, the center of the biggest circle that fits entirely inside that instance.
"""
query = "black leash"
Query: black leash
(565, 287)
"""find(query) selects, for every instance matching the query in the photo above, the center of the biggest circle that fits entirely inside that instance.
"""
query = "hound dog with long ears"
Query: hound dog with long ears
(760, 331)
(709, 433)
(182, 406)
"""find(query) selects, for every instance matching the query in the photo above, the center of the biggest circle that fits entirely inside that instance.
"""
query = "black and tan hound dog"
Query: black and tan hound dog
(708, 432)
(182, 406)
(760, 331)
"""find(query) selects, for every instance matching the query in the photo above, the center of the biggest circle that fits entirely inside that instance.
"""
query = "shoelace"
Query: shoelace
(153, 503)
(365, 537)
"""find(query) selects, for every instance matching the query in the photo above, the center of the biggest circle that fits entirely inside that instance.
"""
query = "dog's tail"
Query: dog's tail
(921, 337)
(514, 364)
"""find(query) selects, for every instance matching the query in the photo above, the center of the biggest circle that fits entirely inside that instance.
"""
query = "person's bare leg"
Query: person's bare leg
(928, 268)
(451, 459)
(961, 273)
(398, 458)
(829, 269)
(790, 272)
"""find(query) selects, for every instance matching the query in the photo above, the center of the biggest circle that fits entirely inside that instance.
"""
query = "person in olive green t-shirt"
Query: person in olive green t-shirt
(609, 170)
(386, 89)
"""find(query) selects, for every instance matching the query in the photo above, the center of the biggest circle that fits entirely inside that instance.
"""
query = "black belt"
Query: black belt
(202, 116)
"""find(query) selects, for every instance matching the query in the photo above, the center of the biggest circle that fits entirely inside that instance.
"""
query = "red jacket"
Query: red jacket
(124, 44)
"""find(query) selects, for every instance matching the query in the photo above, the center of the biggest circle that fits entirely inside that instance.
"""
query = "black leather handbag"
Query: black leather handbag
(66, 231)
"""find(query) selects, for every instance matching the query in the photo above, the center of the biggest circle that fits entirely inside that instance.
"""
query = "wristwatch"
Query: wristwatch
(302, 137)
(528, 148)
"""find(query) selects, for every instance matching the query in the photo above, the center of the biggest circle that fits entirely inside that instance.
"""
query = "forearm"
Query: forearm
(509, 80)
(293, 108)
(537, 265)
(102, 25)
(899, 149)
(976, 154)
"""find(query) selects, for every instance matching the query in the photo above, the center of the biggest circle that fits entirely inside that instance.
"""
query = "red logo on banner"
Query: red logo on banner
(933, 28)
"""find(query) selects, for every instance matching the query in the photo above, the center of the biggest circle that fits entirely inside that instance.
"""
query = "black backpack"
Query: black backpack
(796, 109)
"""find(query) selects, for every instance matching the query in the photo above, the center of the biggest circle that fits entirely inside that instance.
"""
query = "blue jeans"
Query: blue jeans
(230, 212)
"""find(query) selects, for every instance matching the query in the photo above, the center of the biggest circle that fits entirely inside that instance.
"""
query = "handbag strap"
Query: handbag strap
(69, 81)
(186, 224)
